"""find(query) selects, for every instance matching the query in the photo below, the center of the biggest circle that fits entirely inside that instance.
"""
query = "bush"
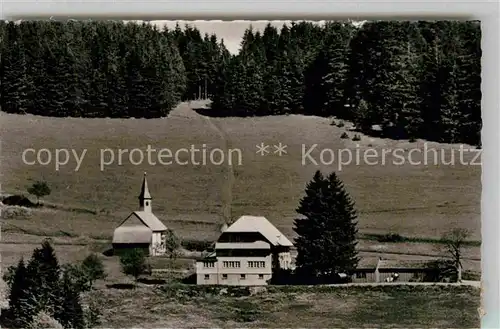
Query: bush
(340, 124)
(16, 212)
(18, 200)
(344, 135)
(133, 262)
(43, 320)
(93, 314)
(472, 276)
(8, 275)
(39, 189)
(442, 270)
(196, 245)
(93, 268)
(78, 277)
(356, 138)
(391, 237)
(191, 291)
(246, 312)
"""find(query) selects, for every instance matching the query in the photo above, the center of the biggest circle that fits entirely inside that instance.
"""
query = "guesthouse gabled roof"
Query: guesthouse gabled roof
(261, 225)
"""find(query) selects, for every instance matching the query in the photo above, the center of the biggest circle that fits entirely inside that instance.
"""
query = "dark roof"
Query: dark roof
(402, 264)
(366, 263)
(210, 257)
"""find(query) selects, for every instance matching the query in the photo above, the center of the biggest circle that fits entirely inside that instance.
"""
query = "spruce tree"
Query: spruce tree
(326, 241)
(43, 273)
(14, 77)
(21, 299)
(69, 312)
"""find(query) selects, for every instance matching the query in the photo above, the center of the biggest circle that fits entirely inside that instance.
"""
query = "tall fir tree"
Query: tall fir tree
(69, 312)
(43, 274)
(326, 233)
(22, 301)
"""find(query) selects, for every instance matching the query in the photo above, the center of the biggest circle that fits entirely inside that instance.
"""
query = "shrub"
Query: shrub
(441, 270)
(246, 312)
(340, 124)
(356, 138)
(8, 275)
(78, 277)
(412, 140)
(43, 320)
(391, 237)
(133, 262)
(172, 244)
(18, 200)
(196, 245)
(39, 189)
(344, 135)
(93, 268)
(93, 314)
(473, 276)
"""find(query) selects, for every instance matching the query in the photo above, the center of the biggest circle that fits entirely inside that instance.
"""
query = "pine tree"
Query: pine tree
(326, 77)
(21, 299)
(431, 84)
(43, 273)
(69, 312)
(93, 267)
(326, 241)
(406, 101)
(14, 78)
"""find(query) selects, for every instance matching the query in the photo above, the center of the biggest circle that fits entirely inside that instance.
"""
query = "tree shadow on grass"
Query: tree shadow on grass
(152, 281)
(214, 113)
(121, 286)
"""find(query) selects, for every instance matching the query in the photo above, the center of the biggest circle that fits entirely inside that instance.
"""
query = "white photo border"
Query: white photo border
(485, 11)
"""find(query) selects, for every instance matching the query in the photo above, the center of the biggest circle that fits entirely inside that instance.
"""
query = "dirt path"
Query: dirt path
(476, 284)
(227, 193)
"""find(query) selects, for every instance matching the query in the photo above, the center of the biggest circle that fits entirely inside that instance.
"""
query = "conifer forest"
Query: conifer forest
(414, 79)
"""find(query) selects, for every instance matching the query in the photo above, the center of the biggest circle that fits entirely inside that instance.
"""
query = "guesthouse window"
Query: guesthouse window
(256, 264)
(243, 276)
(261, 276)
(207, 276)
(231, 264)
(224, 276)
(209, 264)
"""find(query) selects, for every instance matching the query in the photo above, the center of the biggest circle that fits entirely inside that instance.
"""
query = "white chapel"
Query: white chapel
(141, 229)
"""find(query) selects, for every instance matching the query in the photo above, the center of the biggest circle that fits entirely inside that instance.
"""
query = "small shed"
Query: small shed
(379, 270)
(365, 272)
(407, 271)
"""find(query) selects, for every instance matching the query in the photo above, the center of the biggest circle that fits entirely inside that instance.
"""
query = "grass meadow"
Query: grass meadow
(307, 307)
(420, 202)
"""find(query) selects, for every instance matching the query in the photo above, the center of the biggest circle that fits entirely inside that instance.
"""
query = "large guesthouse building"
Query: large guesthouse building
(246, 253)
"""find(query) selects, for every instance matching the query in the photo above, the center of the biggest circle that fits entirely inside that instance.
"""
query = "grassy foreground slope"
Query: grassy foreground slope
(412, 200)
(305, 307)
